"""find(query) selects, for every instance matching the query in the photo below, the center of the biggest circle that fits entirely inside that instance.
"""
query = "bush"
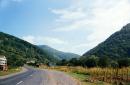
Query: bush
(124, 62)
(91, 61)
(74, 62)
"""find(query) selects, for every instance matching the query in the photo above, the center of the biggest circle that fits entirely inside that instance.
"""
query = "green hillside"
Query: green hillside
(19, 51)
(115, 47)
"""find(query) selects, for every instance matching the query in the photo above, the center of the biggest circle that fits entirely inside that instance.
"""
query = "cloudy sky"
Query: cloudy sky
(67, 25)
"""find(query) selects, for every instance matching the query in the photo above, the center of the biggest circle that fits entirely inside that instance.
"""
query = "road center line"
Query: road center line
(19, 82)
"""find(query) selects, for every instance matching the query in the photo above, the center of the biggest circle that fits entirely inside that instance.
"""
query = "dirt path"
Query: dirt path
(57, 78)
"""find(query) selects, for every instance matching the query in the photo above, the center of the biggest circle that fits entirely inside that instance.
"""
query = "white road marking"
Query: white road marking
(31, 75)
(19, 82)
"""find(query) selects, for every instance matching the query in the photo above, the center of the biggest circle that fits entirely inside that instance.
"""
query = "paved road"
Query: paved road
(39, 77)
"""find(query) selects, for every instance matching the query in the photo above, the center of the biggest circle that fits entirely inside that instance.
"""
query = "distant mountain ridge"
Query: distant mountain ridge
(58, 54)
(116, 46)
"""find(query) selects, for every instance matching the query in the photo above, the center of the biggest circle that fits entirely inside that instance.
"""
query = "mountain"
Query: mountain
(58, 54)
(116, 46)
(17, 50)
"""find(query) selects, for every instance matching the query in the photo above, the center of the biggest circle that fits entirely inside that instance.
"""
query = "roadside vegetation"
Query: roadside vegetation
(82, 78)
(10, 71)
(93, 70)
(96, 76)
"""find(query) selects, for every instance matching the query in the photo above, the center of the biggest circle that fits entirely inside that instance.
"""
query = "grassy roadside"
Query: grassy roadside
(83, 79)
(10, 71)
(80, 75)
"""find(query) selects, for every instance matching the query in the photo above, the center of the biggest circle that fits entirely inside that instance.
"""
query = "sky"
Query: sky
(67, 25)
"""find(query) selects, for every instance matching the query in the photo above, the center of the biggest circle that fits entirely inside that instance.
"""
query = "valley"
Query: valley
(64, 42)
(99, 66)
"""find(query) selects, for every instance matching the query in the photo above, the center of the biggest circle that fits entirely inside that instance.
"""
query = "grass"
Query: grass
(10, 71)
(80, 77)
(83, 79)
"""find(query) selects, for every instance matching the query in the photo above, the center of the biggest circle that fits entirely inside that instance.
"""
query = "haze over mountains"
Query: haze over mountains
(116, 46)
(58, 54)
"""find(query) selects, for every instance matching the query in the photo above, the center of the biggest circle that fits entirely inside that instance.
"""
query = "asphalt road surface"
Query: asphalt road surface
(39, 77)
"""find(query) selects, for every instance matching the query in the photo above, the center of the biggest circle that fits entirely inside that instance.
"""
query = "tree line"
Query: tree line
(94, 61)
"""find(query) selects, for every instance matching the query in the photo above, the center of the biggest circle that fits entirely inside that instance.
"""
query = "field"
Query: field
(97, 76)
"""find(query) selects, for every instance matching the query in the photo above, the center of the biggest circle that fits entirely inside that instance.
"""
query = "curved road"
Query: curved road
(39, 77)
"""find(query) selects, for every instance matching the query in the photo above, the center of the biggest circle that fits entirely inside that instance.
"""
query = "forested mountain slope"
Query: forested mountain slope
(19, 51)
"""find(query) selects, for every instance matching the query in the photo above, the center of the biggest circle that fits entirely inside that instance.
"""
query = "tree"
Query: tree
(74, 62)
(16, 61)
(63, 62)
(114, 64)
(103, 62)
(91, 61)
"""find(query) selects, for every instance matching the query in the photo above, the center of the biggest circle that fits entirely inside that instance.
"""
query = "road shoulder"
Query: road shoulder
(13, 74)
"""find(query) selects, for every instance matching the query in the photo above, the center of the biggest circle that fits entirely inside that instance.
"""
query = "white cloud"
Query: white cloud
(102, 17)
(44, 40)
(51, 40)
(30, 39)
(76, 25)
(101, 13)
(69, 14)
(108, 20)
